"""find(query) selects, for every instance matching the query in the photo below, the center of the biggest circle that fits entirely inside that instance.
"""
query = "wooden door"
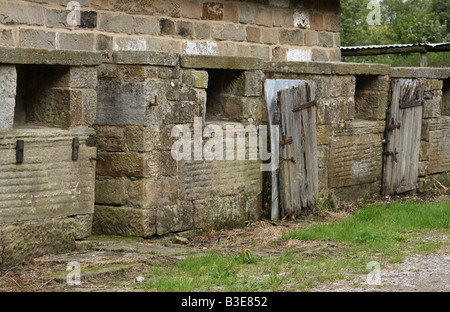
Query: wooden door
(299, 175)
(403, 130)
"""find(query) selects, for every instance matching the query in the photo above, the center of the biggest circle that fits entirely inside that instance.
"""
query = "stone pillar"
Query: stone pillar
(8, 87)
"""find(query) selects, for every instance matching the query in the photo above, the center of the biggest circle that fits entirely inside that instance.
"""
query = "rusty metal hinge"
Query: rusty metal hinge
(286, 141)
(393, 154)
(289, 159)
(413, 103)
(305, 106)
(393, 126)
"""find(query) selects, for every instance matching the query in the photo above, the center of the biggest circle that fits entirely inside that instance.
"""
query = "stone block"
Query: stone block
(326, 40)
(110, 139)
(166, 26)
(439, 151)
(124, 221)
(57, 18)
(371, 105)
(323, 134)
(118, 23)
(110, 192)
(269, 36)
(432, 105)
(212, 11)
(226, 212)
(342, 86)
(88, 19)
(6, 38)
(291, 37)
(72, 41)
(164, 45)
(8, 87)
(253, 83)
(104, 42)
(175, 218)
(332, 22)
(202, 31)
(14, 13)
(48, 183)
(130, 44)
(317, 22)
(22, 242)
(83, 226)
(261, 52)
(135, 138)
(247, 13)
(355, 160)
(253, 34)
(283, 18)
(122, 165)
(228, 32)
(311, 38)
(37, 39)
(185, 29)
(231, 12)
(433, 85)
(263, 17)
(319, 55)
(148, 25)
(121, 103)
(196, 79)
(191, 10)
(83, 103)
(424, 151)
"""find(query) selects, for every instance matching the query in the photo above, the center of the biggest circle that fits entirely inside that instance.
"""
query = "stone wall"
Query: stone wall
(277, 30)
(47, 197)
(141, 190)
(352, 104)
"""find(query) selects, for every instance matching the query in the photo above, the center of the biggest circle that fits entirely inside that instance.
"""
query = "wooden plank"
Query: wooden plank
(401, 176)
(299, 179)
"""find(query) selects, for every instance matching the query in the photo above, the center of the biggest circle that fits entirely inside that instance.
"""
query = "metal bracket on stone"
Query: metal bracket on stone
(155, 103)
(75, 148)
(20, 147)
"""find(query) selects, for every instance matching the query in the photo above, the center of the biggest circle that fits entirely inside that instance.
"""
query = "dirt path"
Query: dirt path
(417, 273)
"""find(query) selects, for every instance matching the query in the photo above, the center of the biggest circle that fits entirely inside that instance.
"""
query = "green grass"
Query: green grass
(383, 233)
(386, 229)
(382, 222)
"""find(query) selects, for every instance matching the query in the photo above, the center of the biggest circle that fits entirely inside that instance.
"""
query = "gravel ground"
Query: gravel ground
(418, 273)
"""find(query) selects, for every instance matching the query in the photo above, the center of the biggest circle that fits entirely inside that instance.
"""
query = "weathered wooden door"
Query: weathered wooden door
(299, 177)
(403, 130)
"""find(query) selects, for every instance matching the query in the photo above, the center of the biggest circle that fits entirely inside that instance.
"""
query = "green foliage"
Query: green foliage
(402, 22)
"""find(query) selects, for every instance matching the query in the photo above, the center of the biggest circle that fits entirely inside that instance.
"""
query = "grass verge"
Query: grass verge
(383, 233)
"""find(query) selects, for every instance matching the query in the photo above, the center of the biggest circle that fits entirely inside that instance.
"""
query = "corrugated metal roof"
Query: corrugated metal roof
(428, 46)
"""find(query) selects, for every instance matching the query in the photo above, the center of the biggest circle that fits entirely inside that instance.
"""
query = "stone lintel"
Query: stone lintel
(30, 56)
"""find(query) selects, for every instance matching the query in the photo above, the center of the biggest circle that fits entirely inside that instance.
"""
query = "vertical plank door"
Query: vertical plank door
(403, 129)
(299, 173)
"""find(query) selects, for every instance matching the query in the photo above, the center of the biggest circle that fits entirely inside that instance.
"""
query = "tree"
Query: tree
(402, 21)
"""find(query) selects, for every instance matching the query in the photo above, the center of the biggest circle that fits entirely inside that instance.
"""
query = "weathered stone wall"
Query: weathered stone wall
(46, 203)
(141, 190)
(277, 30)
(351, 113)
(47, 200)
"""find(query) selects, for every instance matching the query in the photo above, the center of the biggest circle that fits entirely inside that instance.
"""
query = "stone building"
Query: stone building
(93, 91)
